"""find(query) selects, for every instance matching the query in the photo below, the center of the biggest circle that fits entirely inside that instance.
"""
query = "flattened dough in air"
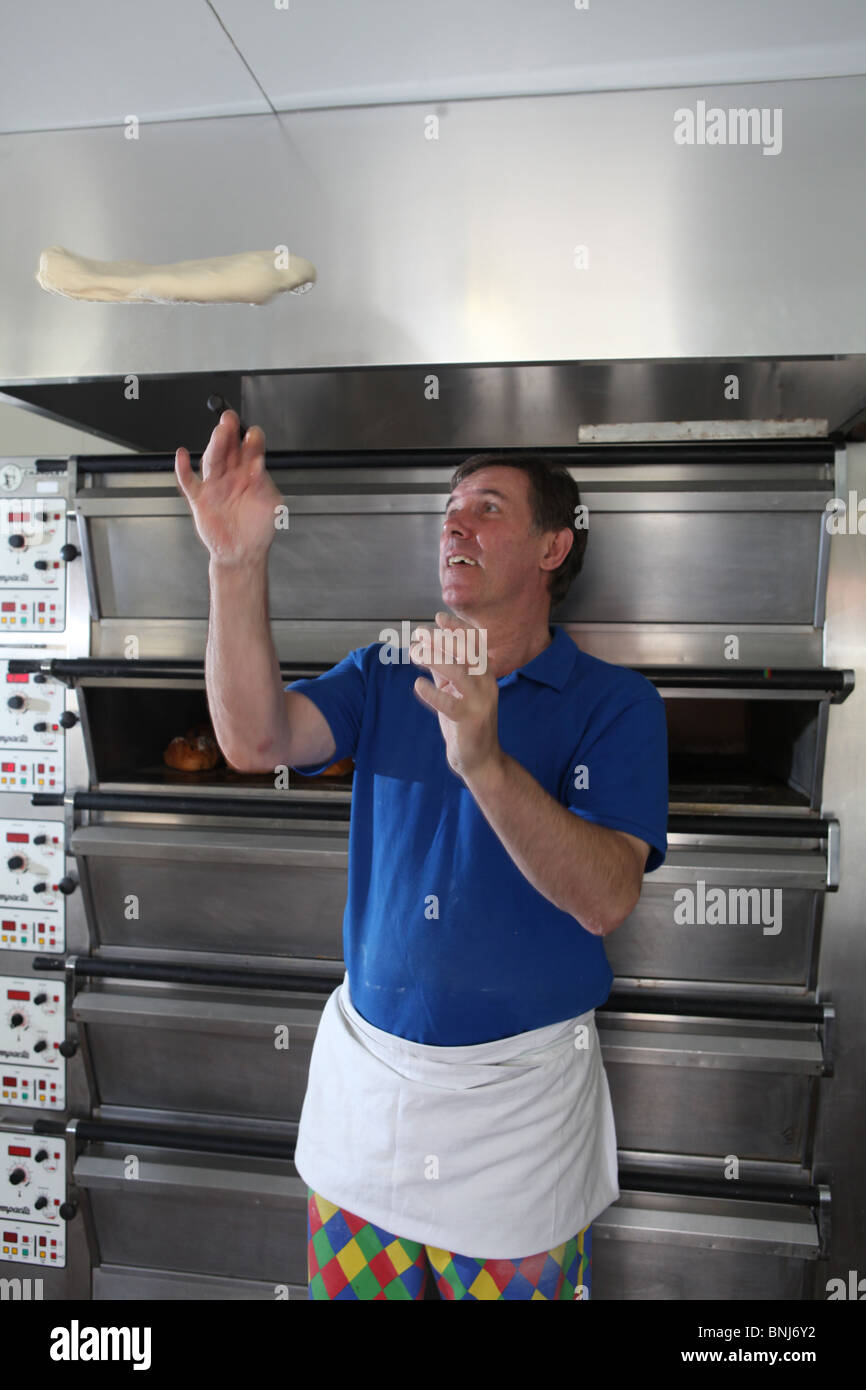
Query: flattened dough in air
(249, 278)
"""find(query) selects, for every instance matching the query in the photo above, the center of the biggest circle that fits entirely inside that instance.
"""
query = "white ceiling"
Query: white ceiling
(95, 62)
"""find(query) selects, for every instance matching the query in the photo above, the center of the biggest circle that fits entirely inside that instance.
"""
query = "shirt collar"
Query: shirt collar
(551, 667)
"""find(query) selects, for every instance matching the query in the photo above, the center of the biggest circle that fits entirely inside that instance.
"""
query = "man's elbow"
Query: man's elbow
(607, 920)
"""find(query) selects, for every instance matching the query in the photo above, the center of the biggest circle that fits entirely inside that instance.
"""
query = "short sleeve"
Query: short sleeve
(339, 695)
(619, 779)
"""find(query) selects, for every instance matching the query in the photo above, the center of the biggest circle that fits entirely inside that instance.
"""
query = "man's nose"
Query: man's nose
(453, 522)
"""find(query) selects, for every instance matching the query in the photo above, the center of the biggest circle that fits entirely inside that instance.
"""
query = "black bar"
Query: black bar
(793, 827)
(783, 452)
(679, 823)
(68, 668)
(257, 1146)
(838, 682)
(652, 1001)
(155, 803)
(167, 1137)
(97, 967)
(640, 1001)
(634, 1180)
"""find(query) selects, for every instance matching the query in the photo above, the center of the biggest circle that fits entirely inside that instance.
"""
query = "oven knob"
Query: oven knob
(68, 1210)
(68, 552)
(40, 1046)
(18, 1175)
(41, 1156)
(40, 728)
(40, 678)
(40, 564)
(16, 1020)
(40, 998)
(40, 1203)
(16, 862)
(39, 888)
(67, 1048)
(68, 719)
(40, 839)
(17, 542)
(67, 885)
(16, 702)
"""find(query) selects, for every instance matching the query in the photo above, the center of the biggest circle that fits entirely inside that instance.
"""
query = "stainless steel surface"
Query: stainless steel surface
(435, 252)
(744, 552)
(841, 1133)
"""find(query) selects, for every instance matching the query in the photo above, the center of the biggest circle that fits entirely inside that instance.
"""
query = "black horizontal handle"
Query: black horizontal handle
(772, 451)
(98, 967)
(779, 827)
(69, 668)
(837, 683)
(684, 1004)
(789, 1194)
(639, 1001)
(278, 808)
(248, 1145)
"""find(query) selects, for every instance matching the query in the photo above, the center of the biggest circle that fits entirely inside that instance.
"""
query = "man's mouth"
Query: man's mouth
(460, 560)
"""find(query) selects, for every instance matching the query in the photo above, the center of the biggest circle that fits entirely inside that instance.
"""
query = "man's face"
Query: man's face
(488, 519)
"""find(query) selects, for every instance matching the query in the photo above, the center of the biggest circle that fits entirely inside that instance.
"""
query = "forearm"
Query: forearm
(584, 869)
(242, 672)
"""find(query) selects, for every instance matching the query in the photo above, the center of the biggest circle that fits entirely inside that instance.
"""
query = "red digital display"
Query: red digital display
(10, 1235)
(7, 607)
(17, 837)
(10, 1081)
(19, 1150)
(10, 926)
(17, 994)
(16, 677)
(7, 767)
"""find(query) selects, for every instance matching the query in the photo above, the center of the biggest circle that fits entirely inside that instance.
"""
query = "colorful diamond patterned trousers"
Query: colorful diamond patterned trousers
(348, 1257)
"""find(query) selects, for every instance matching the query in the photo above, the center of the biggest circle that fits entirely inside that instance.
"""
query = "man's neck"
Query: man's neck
(510, 646)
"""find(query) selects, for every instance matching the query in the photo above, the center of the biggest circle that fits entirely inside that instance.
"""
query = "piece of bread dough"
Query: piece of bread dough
(249, 278)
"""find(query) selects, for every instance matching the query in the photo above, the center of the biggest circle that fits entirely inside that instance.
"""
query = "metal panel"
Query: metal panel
(841, 1132)
(434, 251)
(248, 893)
(660, 567)
(236, 1218)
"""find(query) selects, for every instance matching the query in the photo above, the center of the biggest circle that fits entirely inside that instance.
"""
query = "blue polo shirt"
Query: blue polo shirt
(444, 939)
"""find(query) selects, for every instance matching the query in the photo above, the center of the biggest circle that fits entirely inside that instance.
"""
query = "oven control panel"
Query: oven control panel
(32, 1027)
(32, 730)
(32, 1191)
(32, 907)
(32, 564)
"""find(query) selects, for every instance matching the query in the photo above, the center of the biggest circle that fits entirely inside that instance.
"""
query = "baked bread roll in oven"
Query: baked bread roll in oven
(197, 751)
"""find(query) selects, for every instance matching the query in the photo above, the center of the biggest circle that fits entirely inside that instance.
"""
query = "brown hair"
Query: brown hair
(554, 498)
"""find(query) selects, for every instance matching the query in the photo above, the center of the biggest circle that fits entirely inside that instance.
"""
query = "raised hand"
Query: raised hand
(234, 502)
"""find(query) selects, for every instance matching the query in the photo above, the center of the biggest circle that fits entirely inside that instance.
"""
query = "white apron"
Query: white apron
(496, 1150)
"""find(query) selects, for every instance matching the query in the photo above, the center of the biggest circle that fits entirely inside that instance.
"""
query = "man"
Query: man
(503, 816)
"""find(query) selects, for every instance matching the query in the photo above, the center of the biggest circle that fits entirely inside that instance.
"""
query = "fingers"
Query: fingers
(438, 700)
(223, 450)
(253, 451)
(188, 483)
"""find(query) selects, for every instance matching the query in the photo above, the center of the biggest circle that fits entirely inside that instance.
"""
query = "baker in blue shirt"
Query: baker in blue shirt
(449, 935)
(505, 806)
